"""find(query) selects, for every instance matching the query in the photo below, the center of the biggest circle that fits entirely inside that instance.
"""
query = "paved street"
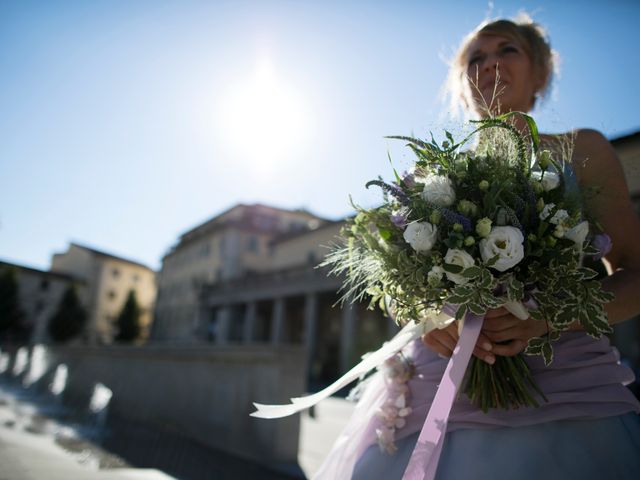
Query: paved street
(34, 446)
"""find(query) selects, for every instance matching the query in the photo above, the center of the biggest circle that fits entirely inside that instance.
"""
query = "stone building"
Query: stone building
(628, 149)
(295, 302)
(626, 335)
(108, 279)
(39, 294)
(230, 245)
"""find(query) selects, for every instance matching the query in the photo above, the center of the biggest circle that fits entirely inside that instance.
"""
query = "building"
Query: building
(295, 302)
(108, 279)
(229, 246)
(626, 335)
(628, 149)
(39, 294)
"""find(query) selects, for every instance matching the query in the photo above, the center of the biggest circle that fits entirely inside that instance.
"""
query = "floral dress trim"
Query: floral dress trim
(397, 371)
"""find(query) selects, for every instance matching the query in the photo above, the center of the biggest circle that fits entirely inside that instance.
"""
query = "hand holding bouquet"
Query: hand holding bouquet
(469, 231)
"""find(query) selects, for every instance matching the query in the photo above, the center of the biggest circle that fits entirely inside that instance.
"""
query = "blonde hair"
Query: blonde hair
(529, 35)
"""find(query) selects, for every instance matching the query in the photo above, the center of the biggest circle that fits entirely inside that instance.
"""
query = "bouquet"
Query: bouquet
(467, 231)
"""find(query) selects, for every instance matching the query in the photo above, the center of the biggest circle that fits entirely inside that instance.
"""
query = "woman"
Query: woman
(590, 426)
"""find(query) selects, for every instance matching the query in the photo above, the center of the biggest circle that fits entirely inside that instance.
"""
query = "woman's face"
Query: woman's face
(500, 75)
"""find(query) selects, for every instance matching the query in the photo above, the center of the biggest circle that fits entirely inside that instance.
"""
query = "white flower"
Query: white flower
(461, 258)
(578, 234)
(549, 180)
(560, 217)
(438, 190)
(435, 275)
(546, 211)
(421, 236)
(506, 242)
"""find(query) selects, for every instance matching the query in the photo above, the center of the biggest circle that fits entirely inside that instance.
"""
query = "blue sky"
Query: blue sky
(118, 126)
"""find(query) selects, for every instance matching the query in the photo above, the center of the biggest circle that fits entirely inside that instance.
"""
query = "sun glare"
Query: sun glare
(263, 118)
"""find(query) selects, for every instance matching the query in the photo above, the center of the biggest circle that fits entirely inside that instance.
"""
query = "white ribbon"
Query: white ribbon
(410, 332)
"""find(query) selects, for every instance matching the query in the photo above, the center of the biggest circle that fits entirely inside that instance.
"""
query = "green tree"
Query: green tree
(129, 328)
(11, 314)
(69, 319)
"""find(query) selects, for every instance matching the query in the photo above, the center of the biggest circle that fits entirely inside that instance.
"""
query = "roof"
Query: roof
(626, 138)
(261, 206)
(110, 256)
(61, 276)
(291, 235)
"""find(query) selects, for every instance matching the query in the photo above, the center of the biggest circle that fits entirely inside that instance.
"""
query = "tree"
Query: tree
(129, 328)
(11, 314)
(69, 319)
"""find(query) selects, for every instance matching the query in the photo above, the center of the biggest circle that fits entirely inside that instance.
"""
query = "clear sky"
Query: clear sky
(125, 123)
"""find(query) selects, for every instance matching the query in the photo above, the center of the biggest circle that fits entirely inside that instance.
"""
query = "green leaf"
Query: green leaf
(471, 272)
(384, 233)
(547, 353)
(462, 310)
(451, 268)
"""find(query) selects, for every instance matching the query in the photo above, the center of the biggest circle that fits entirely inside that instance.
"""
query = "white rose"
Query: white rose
(421, 236)
(560, 217)
(549, 180)
(546, 211)
(460, 258)
(578, 234)
(438, 190)
(506, 242)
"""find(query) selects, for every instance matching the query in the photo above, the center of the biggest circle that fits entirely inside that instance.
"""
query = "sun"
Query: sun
(263, 118)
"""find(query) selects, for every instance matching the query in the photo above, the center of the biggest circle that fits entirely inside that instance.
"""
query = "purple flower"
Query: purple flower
(399, 218)
(408, 179)
(602, 242)
(453, 217)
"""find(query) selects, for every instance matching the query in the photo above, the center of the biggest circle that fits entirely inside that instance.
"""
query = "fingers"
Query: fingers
(442, 341)
(505, 335)
(496, 312)
(496, 324)
(509, 349)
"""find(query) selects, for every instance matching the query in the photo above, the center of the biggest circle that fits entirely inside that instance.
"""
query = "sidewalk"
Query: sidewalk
(27, 455)
(35, 447)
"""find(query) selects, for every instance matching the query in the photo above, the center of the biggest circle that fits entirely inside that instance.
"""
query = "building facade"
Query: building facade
(108, 279)
(229, 246)
(39, 294)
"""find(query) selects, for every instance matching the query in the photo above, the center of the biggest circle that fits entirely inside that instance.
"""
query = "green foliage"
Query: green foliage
(129, 327)
(11, 314)
(69, 319)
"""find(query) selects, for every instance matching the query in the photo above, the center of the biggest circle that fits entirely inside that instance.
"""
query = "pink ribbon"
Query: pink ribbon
(426, 454)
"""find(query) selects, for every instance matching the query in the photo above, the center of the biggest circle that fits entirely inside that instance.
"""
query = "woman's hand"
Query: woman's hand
(508, 334)
(502, 334)
(443, 341)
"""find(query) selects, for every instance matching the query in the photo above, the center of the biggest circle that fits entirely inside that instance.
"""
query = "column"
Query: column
(347, 337)
(277, 322)
(310, 325)
(249, 322)
(223, 318)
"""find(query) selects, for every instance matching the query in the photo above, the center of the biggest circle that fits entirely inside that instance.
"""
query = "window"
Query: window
(44, 284)
(252, 243)
(111, 295)
(115, 272)
(136, 278)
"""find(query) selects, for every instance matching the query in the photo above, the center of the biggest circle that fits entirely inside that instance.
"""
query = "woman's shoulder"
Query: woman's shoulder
(592, 155)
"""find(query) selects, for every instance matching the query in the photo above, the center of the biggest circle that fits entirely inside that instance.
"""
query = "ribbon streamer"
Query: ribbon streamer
(410, 332)
(426, 454)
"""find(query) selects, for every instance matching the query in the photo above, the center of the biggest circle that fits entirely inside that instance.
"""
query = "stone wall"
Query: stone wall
(203, 393)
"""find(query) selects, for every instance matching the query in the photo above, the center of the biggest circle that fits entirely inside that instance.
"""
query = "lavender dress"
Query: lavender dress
(589, 429)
